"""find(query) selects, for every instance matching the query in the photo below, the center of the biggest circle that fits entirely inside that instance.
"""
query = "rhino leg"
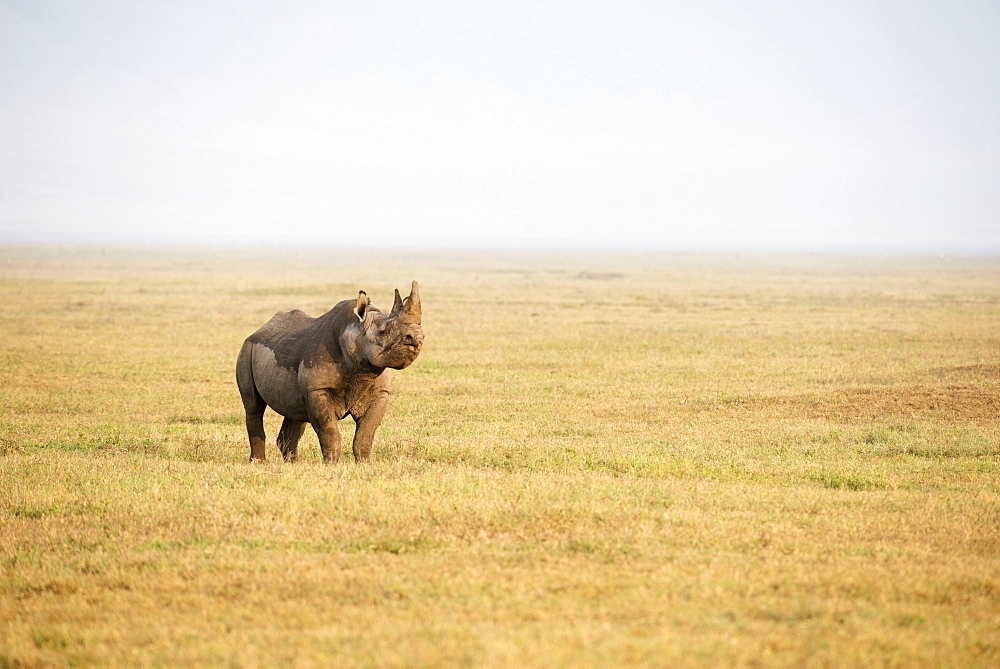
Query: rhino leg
(255, 430)
(253, 403)
(367, 424)
(288, 438)
(329, 442)
(323, 417)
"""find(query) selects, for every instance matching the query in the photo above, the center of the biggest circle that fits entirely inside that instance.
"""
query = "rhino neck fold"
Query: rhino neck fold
(361, 369)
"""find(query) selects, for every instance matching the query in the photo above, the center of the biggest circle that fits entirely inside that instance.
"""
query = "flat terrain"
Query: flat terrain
(597, 460)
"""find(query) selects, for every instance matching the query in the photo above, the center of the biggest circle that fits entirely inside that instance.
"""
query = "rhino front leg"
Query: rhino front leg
(329, 442)
(323, 417)
(364, 436)
(288, 438)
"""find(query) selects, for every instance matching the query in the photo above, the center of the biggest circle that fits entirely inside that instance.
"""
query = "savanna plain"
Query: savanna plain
(597, 460)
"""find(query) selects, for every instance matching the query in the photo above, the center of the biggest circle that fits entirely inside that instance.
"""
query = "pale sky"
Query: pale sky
(869, 125)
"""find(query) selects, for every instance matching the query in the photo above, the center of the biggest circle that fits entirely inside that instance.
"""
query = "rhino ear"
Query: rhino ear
(362, 305)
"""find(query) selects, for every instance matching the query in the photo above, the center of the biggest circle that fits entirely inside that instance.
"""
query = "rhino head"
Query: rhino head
(394, 339)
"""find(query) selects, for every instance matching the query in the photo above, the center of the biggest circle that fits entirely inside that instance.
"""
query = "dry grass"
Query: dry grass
(604, 459)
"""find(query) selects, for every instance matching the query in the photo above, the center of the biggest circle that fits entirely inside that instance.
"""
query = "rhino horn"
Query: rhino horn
(397, 306)
(408, 310)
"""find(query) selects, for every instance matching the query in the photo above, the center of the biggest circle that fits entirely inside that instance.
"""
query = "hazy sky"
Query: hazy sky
(870, 125)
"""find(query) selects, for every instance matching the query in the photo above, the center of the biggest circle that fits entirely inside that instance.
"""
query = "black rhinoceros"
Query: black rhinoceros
(318, 370)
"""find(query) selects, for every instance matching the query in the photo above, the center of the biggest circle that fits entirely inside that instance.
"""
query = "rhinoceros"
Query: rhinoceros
(319, 370)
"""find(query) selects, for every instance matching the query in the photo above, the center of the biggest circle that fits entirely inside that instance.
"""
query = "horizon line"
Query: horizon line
(632, 246)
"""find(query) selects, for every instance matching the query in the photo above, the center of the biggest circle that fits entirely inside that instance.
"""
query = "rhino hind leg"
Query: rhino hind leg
(288, 438)
(253, 404)
(255, 430)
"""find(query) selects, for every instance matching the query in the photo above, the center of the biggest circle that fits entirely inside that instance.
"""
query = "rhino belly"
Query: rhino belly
(278, 385)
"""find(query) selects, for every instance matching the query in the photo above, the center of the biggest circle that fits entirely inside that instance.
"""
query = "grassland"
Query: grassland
(597, 460)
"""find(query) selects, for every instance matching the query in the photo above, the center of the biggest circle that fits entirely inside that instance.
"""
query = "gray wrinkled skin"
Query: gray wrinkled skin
(319, 370)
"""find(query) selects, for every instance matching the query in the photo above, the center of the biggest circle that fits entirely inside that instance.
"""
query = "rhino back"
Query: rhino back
(294, 352)
(286, 334)
(278, 349)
